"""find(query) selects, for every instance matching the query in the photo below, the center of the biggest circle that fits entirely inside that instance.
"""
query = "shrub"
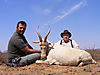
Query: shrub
(3, 57)
(95, 53)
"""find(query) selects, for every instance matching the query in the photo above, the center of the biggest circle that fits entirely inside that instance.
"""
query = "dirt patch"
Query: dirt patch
(43, 69)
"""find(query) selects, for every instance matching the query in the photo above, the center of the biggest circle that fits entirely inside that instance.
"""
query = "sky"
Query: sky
(80, 17)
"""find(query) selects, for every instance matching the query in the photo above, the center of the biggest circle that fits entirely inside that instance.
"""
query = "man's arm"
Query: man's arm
(75, 44)
(29, 46)
(28, 50)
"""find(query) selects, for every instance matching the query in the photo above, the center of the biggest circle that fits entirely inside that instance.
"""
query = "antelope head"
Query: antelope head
(43, 44)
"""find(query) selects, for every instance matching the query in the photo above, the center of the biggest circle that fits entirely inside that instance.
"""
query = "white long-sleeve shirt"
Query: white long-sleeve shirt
(68, 44)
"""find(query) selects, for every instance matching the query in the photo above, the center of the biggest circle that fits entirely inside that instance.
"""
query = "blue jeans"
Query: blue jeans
(28, 59)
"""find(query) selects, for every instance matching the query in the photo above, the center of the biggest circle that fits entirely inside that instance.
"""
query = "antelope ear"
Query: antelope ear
(36, 42)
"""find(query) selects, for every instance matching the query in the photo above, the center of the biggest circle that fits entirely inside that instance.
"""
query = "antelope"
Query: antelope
(44, 45)
(60, 55)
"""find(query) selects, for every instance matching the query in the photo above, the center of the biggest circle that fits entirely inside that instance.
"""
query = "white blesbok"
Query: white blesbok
(62, 55)
(44, 45)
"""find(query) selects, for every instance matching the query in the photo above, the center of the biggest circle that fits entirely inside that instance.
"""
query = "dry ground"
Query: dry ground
(42, 69)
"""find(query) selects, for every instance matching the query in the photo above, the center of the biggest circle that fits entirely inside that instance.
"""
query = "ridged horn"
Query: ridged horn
(45, 38)
(40, 38)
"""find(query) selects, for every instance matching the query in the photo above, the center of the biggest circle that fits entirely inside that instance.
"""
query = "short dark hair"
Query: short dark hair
(22, 22)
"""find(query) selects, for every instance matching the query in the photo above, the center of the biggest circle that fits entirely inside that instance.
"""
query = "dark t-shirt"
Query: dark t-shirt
(16, 43)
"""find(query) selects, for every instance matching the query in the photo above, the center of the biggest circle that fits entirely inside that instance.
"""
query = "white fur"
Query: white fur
(68, 56)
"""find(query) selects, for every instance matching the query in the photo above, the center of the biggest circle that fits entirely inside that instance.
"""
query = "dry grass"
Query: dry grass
(3, 57)
(95, 53)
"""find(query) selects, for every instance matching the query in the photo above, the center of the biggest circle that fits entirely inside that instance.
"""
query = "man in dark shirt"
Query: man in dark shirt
(19, 51)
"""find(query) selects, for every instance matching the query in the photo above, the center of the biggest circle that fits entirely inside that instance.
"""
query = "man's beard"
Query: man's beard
(66, 41)
(21, 32)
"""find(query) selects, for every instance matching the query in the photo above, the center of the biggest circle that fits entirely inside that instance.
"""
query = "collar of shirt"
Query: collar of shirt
(65, 42)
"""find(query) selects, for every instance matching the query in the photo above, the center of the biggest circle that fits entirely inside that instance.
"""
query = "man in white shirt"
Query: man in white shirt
(66, 42)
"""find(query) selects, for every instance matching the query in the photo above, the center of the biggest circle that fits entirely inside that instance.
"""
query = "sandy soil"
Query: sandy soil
(43, 69)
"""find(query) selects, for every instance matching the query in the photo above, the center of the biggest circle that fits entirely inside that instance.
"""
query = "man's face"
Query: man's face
(66, 37)
(21, 29)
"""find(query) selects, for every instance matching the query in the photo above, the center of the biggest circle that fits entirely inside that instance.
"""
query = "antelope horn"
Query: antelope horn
(45, 38)
(39, 34)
